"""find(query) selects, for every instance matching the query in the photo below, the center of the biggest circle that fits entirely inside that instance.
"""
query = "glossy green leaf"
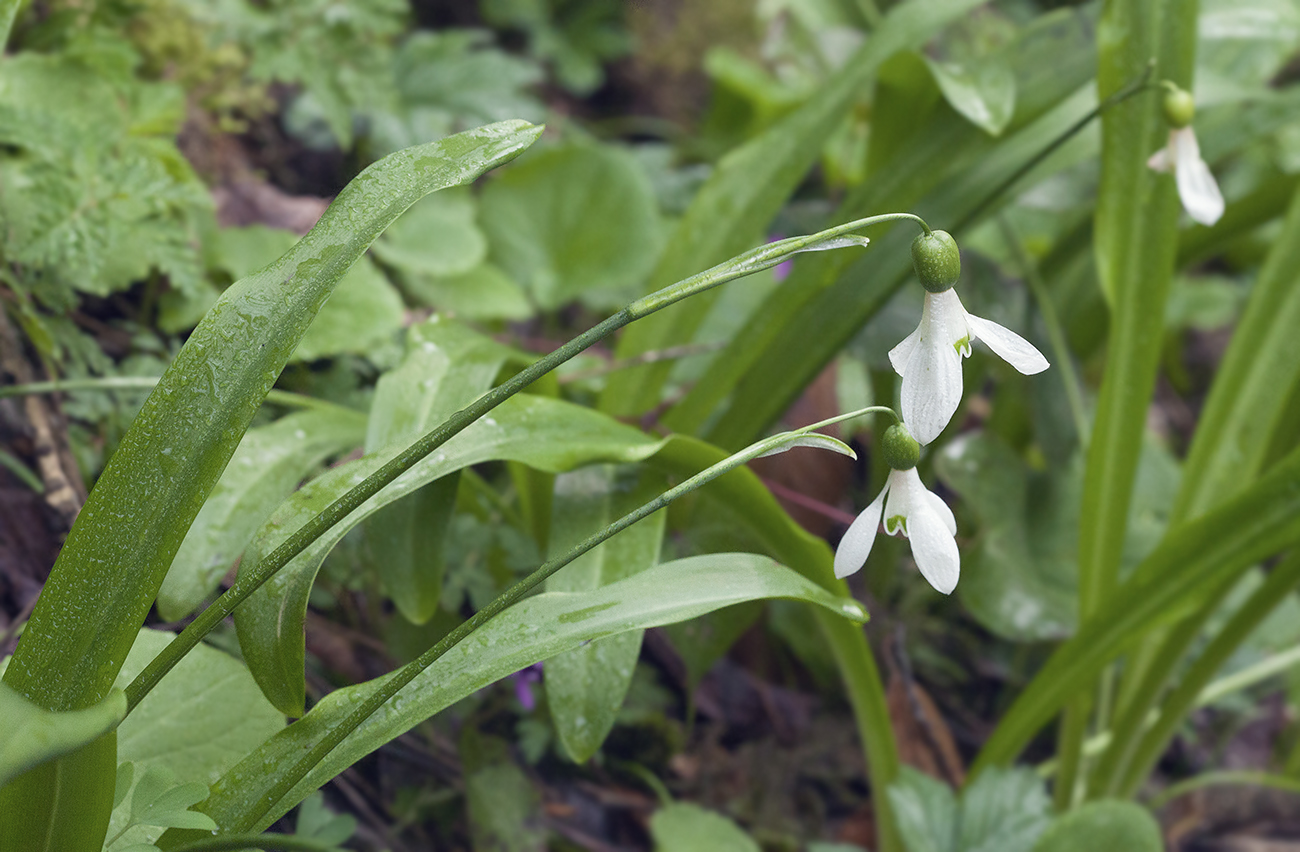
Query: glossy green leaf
(126, 536)
(573, 220)
(544, 433)
(1103, 825)
(446, 367)
(363, 310)
(269, 462)
(683, 827)
(750, 185)
(437, 236)
(585, 687)
(984, 91)
(536, 629)
(201, 720)
(32, 735)
(483, 293)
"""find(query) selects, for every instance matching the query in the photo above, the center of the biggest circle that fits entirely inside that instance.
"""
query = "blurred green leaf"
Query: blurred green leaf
(585, 687)
(505, 809)
(319, 823)
(484, 293)
(1003, 810)
(1103, 825)
(745, 192)
(437, 236)
(572, 222)
(683, 827)
(984, 92)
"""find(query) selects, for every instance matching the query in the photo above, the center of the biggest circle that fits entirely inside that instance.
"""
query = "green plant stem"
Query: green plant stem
(1265, 599)
(403, 676)
(113, 383)
(749, 262)
(1055, 333)
(8, 11)
(1210, 779)
(1259, 672)
(236, 842)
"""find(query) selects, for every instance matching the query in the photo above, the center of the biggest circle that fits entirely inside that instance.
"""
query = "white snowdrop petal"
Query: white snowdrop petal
(931, 389)
(903, 485)
(1161, 161)
(934, 549)
(1196, 185)
(902, 353)
(855, 547)
(941, 509)
(1008, 345)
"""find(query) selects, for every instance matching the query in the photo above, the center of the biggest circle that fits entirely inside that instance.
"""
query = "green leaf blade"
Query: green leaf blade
(109, 571)
(536, 629)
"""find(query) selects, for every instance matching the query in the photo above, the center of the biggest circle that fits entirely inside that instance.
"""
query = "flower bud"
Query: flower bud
(900, 449)
(936, 260)
(1179, 107)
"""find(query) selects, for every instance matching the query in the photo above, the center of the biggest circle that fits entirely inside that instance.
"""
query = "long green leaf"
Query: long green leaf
(1136, 238)
(585, 687)
(944, 172)
(1252, 384)
(109, 571)
(1259, 522)
(544, 433)
(751, 183)
(533, 630)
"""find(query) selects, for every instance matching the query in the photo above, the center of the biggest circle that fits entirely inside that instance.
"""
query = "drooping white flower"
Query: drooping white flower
(916, 513)
(929, 360)
(1196, 185)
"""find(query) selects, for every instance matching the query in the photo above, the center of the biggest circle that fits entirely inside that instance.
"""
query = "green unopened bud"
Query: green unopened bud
(1179, 107)
(936, 260)
(900, 449)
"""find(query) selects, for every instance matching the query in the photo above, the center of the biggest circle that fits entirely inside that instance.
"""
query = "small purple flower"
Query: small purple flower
(524, 680)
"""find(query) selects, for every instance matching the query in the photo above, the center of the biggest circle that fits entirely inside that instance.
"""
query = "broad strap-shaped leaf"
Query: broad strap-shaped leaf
(544, 433)
(585, 687)
(536, 629)
(32, 735)
(109, 571)
(268, 463)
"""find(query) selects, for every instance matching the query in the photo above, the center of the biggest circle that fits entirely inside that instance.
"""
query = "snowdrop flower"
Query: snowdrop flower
(911, 510)
(1196, 185)
(929, 359)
